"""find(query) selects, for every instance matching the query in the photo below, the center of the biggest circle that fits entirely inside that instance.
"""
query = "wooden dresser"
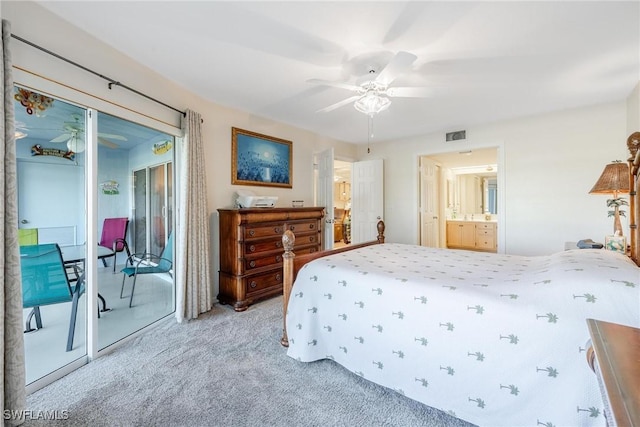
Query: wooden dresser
(251, 250)
(614, 355)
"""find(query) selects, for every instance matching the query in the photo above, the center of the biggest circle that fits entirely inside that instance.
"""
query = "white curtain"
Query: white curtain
(12, 351)
(193, 273)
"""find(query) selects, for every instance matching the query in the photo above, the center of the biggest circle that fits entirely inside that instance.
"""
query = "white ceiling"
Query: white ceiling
(483, 61)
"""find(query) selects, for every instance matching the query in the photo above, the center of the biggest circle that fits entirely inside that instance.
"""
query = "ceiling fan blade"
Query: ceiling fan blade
(107, 143)
(410, 92)
(334, 84)
(112, 136)
(339, 104)
(411, 13)
(62, 138)
(398, 65)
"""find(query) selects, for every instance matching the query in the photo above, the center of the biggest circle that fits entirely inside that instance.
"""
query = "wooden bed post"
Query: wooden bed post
(380, 227)
(633, 144)
(288, 241)
(291, 265)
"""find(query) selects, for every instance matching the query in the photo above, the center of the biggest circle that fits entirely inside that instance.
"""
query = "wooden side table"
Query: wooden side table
(614, 355)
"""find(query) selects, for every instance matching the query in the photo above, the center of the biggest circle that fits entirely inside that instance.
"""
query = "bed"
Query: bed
(492, 339)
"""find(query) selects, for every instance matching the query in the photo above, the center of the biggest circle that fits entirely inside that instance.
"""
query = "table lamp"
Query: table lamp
(614, 180)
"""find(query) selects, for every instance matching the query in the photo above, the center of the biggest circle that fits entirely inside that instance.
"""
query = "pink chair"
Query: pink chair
(114, 234)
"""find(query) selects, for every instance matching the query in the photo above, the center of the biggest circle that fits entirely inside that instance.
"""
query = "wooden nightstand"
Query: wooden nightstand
(614, 355)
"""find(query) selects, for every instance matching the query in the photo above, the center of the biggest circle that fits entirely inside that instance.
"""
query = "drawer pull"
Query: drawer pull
(252, 264)
(292, 227)
(253, 284)
(252, 232)
(278, 244)
(252, 248)
(278, 230)
(312, 239)
(278, 258)
(312, 226)
(278, 276)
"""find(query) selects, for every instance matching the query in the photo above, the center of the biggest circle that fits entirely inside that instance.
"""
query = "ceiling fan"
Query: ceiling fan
(73, 136)
(373, 91)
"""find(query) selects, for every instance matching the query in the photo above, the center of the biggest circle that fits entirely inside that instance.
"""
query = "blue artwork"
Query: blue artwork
(262, 161)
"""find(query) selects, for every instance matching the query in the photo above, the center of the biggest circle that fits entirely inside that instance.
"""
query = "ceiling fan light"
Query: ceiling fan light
(371, 103)
(76, 145)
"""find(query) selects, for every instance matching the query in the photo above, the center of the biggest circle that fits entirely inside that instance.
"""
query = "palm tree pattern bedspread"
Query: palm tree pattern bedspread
(490, 338)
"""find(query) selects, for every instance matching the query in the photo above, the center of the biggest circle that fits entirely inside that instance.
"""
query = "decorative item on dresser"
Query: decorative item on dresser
(251, 250)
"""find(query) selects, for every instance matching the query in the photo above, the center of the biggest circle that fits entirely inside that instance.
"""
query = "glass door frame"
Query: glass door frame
(167, 210)
(93, 105)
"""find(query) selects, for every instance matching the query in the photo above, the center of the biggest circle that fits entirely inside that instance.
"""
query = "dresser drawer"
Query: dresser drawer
(303, 240)
(260, 282)
(307, 250)
(258, 262)
(302, 226)
(250, 248)
(263, 230)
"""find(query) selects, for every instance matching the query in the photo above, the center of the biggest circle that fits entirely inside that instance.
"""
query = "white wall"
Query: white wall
(37, 25)
(633, 111)
(551, 162)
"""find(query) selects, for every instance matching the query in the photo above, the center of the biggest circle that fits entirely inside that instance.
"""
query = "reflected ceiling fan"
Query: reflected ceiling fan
(74, 136)
(373, 91)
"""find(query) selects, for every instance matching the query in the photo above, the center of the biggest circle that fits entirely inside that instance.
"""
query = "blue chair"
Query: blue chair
(147, 263)
(45, 282)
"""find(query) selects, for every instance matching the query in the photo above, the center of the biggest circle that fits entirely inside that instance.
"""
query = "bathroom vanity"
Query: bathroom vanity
(480, 235)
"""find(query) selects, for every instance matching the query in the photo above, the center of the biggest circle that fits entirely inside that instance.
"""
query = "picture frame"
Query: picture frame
(258, 159)
(615, 243)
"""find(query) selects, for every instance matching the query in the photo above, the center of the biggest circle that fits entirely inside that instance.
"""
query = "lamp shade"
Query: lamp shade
(613, 180)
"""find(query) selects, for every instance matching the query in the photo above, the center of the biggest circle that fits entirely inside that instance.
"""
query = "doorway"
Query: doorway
(457, 185)
(342, 203)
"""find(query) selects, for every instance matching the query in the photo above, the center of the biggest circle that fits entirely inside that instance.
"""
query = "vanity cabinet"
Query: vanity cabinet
(251, 250)
(486, 236)
(461, 234)
(474, 235)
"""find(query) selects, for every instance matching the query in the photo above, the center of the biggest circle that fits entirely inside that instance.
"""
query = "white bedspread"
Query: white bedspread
(492, 339)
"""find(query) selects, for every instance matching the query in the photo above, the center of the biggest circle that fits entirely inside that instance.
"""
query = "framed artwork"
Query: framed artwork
(258, 159)
(615, 243)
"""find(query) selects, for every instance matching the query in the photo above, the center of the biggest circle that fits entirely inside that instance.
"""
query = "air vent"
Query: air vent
(456, 136)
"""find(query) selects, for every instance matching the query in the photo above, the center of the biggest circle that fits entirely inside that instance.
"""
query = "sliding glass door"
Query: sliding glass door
(140, 168)
(63, 219)
(52, 230)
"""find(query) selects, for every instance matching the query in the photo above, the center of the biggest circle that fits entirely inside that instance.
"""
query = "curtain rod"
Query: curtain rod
(111, 81)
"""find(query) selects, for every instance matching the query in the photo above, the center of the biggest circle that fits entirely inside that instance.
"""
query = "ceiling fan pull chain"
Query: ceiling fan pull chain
(369, 132)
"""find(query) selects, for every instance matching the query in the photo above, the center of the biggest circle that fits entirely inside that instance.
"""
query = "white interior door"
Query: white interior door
(325, 194)
(367, 199)
(429, 225)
